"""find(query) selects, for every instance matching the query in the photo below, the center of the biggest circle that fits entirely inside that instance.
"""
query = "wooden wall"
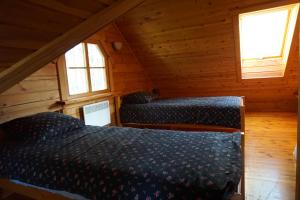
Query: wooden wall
(128, 75)
(40, 91)
(188, 49)
(37, 93)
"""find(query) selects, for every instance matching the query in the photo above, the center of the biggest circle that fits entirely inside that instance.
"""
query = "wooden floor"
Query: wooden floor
(270, 167)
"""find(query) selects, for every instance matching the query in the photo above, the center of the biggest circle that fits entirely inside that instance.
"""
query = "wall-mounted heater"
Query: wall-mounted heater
(97, 114)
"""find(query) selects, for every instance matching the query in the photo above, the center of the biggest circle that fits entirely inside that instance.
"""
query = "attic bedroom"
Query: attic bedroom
(149, 99)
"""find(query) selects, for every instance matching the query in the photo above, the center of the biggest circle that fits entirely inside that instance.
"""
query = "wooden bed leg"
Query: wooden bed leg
(242, 110)
(241, 188)
(243, 166)
(243, 132)
(118, 102)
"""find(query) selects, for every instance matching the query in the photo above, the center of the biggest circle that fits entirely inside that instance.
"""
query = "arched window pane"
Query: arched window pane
(75, 57)
(96, 58)
(76, 70)
(84, 58)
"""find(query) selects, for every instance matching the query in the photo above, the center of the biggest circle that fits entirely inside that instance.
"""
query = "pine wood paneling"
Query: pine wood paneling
(40, 91)
(20, 37)
(128, 75)
(37, 93)
(75, 110)
(26, 26)
(61, 44)
(188, 49)
(75, 7)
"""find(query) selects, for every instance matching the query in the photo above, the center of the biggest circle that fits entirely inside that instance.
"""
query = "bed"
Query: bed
(58, 152)
(141, 110)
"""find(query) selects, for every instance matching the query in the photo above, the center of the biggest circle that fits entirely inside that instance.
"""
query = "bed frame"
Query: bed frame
(10, 187)
(183, 127)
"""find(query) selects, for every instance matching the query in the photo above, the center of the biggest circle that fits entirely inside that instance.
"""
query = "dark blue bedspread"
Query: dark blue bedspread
(126, 163)
(219, 111)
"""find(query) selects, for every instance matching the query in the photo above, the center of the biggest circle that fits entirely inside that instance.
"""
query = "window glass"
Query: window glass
(76, 57)
(96, 58)
(77, 80)
(98, 79)
(80, 60)
(262, 34)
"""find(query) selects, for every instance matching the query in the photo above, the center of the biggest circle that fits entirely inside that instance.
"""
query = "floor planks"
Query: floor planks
(270, 167)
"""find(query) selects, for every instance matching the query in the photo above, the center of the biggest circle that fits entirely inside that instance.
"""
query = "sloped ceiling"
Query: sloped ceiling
(188, 49)
(27, 25)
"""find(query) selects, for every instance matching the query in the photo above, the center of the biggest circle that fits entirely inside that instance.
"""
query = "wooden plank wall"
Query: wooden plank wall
(188, 49)
(128, 75)
(37, 93)
(40, 91)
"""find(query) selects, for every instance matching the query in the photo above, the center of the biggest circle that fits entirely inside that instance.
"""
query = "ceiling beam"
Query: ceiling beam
(61, 7)
(106, 2)
(60, 45)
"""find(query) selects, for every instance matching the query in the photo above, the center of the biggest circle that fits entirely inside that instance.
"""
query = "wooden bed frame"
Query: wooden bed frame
(32, 192)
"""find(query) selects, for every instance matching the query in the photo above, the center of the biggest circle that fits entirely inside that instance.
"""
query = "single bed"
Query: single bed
(119, 163)
(204, 113)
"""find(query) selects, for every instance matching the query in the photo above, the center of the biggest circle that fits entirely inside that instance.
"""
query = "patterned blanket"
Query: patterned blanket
(127, 163)
(220, 111)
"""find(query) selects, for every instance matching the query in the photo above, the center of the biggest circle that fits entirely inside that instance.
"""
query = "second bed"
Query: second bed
(224, 113)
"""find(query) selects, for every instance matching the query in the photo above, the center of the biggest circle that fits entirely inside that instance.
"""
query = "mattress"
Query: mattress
(127, 163)
(217, 111)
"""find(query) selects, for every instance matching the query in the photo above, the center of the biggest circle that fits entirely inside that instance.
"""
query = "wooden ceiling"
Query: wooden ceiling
(36, 32)
(188, 49)
(27, 25)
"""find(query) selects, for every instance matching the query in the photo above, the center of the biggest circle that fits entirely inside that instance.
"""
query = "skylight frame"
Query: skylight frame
(293, 6)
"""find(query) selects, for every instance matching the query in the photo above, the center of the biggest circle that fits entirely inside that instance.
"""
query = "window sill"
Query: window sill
(266, 68)
(85, 99)
(263, 75)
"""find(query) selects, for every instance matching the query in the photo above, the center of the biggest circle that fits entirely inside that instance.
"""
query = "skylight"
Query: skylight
(265, 39)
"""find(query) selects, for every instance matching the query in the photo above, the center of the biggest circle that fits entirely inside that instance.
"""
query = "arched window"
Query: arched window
(86, 69)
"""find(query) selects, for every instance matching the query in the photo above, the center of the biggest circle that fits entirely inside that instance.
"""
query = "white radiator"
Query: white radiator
(97, 114)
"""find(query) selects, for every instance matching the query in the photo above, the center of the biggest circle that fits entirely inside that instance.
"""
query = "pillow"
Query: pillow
(43, 125)
(138, 98)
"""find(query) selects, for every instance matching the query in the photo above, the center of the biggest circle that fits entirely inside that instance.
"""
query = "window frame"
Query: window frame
(63, 76)
(236, 24)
